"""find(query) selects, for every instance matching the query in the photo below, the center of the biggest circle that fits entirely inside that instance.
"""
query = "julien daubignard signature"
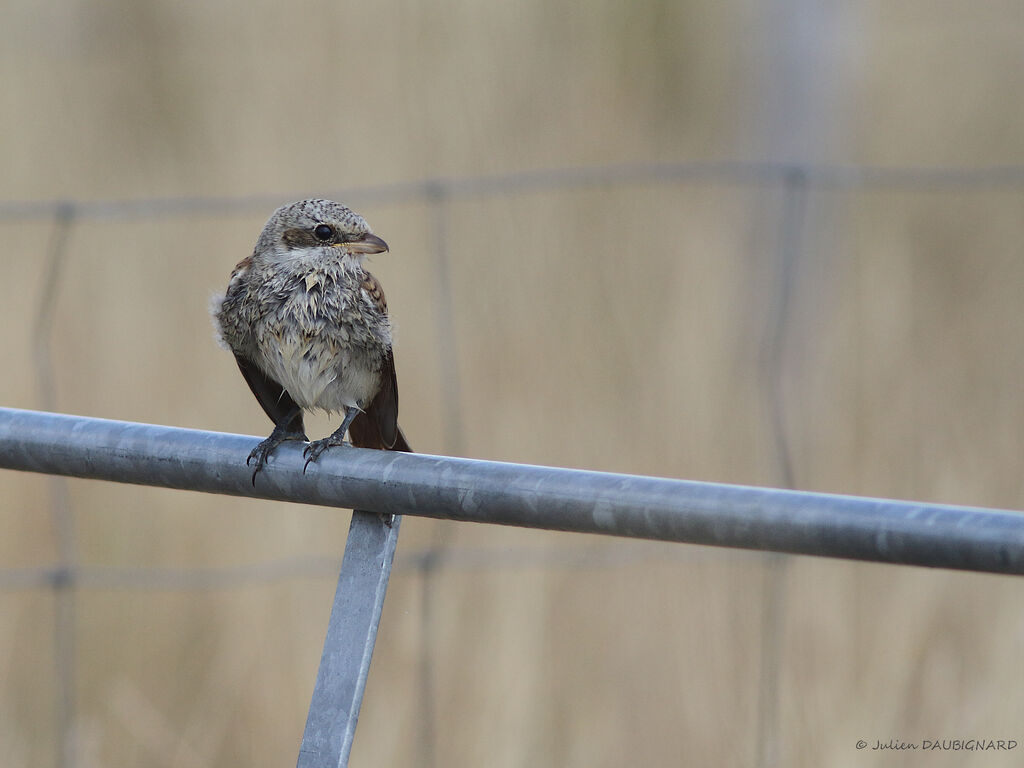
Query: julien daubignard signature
(945, 745)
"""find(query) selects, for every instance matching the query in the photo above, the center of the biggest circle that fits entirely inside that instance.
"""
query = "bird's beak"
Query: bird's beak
(365, 244)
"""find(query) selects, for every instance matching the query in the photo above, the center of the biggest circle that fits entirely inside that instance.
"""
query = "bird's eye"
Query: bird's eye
(323, 232)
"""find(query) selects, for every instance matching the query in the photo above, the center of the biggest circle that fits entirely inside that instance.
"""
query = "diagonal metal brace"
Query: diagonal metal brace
(351, 634)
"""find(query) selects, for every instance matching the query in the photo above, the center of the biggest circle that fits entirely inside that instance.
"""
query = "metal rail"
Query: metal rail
(899, 532)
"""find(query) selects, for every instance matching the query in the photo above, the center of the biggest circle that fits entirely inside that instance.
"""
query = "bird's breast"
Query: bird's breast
(322, 341)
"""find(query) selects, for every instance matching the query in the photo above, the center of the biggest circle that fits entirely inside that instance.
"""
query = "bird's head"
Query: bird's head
(315, 228)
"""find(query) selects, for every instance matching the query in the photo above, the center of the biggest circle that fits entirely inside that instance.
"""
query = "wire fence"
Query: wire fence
(798, 183)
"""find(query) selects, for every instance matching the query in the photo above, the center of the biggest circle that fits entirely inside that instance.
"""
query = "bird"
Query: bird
(309, 329)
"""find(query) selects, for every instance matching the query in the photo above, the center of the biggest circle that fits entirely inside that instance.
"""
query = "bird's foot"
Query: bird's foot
(313, 451)
(262, 452)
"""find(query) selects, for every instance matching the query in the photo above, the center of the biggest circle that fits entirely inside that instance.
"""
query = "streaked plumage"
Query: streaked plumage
(309, 327)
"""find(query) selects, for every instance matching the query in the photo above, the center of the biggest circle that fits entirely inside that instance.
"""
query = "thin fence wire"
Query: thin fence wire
(772, 370)
(748, 174)
(797, 181)
(623, 555)
(63, 581)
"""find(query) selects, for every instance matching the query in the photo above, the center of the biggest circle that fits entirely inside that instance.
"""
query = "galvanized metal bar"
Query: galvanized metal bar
(909, 533)
(351, 635)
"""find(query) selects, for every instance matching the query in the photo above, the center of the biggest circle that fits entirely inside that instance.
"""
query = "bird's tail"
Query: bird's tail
(400, 443)
(365, 433)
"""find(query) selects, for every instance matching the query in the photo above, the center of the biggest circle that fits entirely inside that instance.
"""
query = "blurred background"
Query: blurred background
(774, 243)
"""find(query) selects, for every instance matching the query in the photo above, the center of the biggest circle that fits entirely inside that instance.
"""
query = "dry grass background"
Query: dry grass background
(616, 328)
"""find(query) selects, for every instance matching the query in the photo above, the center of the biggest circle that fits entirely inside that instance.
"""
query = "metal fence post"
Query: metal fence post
(351, 634)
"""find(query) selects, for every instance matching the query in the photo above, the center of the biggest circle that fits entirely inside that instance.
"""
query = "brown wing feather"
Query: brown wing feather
(377, 426)
(374, 291)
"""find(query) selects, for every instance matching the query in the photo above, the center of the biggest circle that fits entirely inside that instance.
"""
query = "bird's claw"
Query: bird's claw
(313, 451)
(266, 447)
(260, 454)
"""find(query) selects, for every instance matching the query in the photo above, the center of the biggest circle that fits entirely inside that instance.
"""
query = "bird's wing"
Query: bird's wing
(377, 426)
(276, 401)
(374, 292)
